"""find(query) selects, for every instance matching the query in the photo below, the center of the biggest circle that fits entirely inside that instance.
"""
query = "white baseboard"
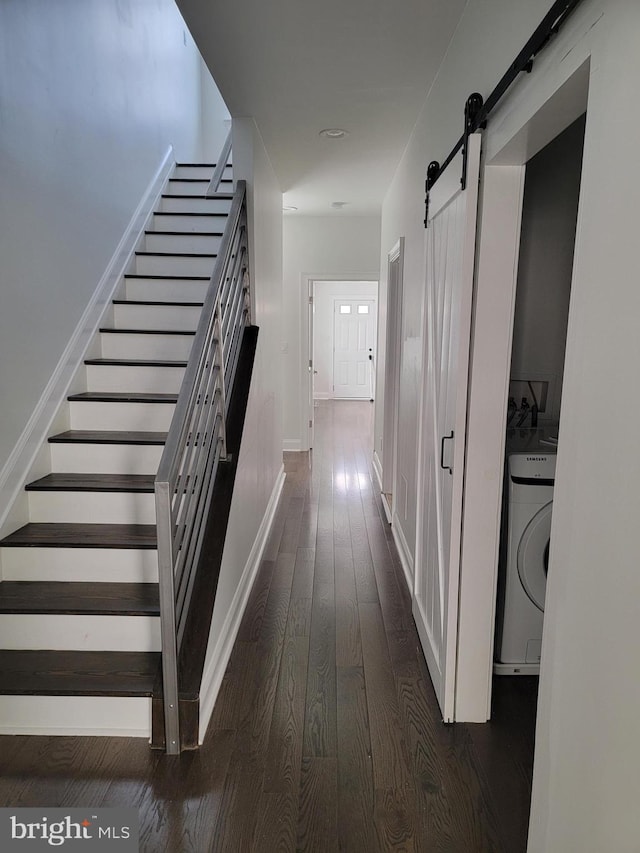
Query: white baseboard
(377, 467)
(217, 661)
(386, 506)
(292, 445)
(322, 395)
(406, 560)
(15, 472)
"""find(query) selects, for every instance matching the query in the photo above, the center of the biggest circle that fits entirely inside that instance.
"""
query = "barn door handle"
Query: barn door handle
(442, 465)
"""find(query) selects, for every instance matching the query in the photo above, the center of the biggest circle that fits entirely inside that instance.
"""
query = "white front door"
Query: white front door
(354, 332)
(450, 258)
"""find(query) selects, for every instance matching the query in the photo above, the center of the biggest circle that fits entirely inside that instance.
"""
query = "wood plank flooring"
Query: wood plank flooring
(326, 735)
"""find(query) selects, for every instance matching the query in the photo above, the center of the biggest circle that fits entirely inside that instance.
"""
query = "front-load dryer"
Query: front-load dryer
(530, 479)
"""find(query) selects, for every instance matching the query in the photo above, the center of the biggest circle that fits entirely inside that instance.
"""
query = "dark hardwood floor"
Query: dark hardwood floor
(326, 734)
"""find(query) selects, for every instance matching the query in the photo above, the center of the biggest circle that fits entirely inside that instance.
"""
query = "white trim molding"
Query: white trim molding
(218, 659)
(406, 560)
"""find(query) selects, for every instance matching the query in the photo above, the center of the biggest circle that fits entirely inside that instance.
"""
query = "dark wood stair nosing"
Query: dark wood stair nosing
(135, 362)
(73, 598)
(157, 303)
(99, 483)
(111, 331)
(152, 233)
(176, 254)
(70, 672)
(121, 397)
(110, 437)
(85, 535)
(169, 277)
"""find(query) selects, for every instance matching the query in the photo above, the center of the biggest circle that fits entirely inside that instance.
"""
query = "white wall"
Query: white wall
(587, 753)
(92, 93)
(316, 247)
(324, 295)
(259, 472)
(549, 215)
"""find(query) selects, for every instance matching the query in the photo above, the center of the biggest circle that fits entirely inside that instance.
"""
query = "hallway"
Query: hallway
(326, 735)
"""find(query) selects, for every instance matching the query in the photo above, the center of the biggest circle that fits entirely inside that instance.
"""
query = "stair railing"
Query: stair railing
(221, 165)
(196, 443)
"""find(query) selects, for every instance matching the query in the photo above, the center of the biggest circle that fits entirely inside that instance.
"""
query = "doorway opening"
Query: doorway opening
(543, 291)
(342, 334)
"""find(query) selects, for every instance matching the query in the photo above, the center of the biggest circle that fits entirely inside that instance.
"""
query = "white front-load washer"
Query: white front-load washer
(530, 480)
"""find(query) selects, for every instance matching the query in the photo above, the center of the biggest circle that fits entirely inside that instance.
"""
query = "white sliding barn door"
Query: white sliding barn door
(450, 256)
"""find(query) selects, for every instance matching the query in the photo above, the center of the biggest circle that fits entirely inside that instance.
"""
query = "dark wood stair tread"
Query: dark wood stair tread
(184, 213)
(122, 397)
(91, 436)
(75, 598)
(77, 673)
(177, 254)
(63, 482)
(172, 277)
(158, 303)
(214, 197)
(84, 535)
(184, 233)
(134, 362)
(110, 331)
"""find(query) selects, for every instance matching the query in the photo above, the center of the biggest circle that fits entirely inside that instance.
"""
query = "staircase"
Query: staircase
(79, 603)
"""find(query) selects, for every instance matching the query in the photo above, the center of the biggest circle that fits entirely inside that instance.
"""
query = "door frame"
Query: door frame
(307, 281)
(550, 110)
(393, 340)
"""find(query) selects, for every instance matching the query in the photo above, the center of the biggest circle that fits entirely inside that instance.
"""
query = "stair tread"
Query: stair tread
(110, 331)
(82, 535)
(77, 673)
(78, 598)
(185, 213)
(122, 397)
(63, 482)
(214, 197)
(164, 304)
(200, 180)
(135, 362)
(170, 277)
(99, 436)
(184, 233)
(177, 254)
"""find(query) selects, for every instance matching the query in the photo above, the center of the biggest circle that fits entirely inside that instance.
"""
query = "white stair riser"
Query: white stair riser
(92, 507)
(128, 416)
(90, 565)
(111, 377)
(170, 317)
(205, 172)
(154, 347)
(189, 224)
(168, 290)
(174, 265)
(184, 187)
(194, 242)
(86, 632)
(195, 205)
(98, 716)
(74, 458)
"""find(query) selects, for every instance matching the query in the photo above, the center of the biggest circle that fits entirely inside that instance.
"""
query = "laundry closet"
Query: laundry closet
(545, 264)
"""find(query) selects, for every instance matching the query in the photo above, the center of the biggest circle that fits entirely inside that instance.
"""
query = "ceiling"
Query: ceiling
(299, 66)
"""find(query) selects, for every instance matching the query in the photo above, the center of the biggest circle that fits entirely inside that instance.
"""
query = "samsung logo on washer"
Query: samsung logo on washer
(536, 458)
(74, 829)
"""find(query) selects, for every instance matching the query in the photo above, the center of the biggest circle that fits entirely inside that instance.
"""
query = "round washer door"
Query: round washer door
(533, 555)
